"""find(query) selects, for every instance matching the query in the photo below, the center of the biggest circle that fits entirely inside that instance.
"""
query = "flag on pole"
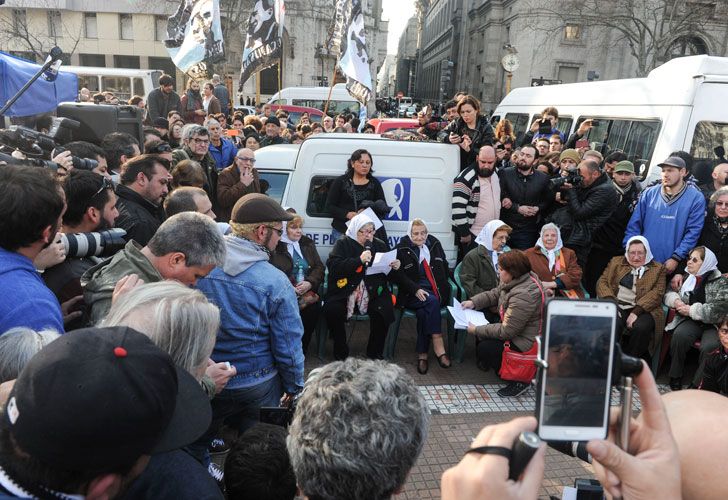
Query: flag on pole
(262, 47)
(348, 39)
(195, 37)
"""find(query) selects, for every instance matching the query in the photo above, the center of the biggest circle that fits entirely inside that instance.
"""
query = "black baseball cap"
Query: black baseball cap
(99, 398)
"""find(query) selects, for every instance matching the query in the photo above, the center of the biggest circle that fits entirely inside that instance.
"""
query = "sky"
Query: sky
(398, 13)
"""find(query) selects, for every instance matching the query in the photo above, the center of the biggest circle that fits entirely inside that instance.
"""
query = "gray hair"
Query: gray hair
(721, 191)
(193, 234)
(192, 129)
(211, 121)
(18, 345)
(551, 226)
(178, 319)
(358, 430)
(215, 78)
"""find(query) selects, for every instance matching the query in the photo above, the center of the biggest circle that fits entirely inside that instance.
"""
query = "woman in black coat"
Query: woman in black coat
(425, 266)
(352, 291)
(470, 131)
(715, 229)
(297, 257)
(355, 191)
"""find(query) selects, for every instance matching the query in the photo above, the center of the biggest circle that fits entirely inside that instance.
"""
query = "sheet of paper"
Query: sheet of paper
(464, 316)
(381, 262)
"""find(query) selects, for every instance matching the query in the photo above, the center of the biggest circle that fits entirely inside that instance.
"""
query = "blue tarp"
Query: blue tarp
(42, 97)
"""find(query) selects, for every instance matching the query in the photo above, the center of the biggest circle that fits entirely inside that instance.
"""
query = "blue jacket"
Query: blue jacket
(224, 155)
(672, 227)
(260, 324)
(27, 301)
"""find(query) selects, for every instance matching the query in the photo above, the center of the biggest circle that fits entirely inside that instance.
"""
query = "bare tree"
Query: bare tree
(650, 28)
(17, 33)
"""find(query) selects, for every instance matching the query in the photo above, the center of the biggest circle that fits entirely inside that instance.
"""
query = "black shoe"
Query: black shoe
(217, 474)
(442, 363)
(218, 445)
(675, 383)
(513, 389)
(422, 366)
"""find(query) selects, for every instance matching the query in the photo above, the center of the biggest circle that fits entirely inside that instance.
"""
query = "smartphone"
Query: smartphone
(232, 132)
(544, 127)
(573, 395)
(582, 143)
(275, 415)
(595, 123)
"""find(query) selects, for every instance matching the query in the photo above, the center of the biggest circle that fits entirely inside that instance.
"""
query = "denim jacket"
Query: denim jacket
(260, 326)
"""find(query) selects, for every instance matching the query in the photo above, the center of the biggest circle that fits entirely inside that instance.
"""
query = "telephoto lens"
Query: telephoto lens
(98, 244)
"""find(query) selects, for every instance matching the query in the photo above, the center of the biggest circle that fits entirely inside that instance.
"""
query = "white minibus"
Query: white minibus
(124, 83)
(315, 97)
(678, 106)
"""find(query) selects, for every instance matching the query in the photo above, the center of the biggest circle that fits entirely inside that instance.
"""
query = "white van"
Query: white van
(416, 178)
(678, 106)
(124, 83)
(315, 97)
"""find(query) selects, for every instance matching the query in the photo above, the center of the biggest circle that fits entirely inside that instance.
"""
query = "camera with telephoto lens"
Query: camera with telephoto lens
(78, 163)
(98, 244)
(544, 126)
(572, 177)
(35, 146)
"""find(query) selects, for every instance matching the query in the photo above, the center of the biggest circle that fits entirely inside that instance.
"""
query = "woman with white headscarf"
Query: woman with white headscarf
(479, 271)
(699, 304)
(297, 257)
(555, 265)
(637, 283)
(424, 267)
(352, 291)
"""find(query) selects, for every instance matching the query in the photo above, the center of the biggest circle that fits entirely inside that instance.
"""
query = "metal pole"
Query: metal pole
(331, 86)
(509, 76)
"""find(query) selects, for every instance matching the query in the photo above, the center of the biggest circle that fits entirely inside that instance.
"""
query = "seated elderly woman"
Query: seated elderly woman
(424, 265)
(637, 283)
(297, 257)
(478, 271)
(698, 304)
(351, 290)
(555, 265)
(519, 298)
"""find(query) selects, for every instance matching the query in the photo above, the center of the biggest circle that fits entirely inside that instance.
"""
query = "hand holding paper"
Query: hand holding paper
(463, 316)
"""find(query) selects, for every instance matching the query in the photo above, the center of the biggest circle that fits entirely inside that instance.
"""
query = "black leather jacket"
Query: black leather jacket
(482, 135)
(137, 216)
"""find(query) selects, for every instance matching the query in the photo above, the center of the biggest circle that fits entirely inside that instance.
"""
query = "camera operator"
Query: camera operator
(119, 147)
(89, 151)
(590, 200)
(31, 206)
(91, 206)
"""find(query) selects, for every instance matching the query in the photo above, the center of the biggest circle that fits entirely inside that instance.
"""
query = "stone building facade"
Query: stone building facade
(407, 59)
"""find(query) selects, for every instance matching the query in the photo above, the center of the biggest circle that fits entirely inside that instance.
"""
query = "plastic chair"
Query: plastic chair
(456, 342)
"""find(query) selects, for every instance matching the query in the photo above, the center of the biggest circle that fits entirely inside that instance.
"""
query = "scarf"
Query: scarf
(424, 250)
(622, 191)
(639, 271)
(359, 220)
(710, 263)
(293, 246)
(192, 98)
(554, 253)
(485, 238)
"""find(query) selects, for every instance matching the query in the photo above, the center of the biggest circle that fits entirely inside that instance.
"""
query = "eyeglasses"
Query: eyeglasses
(105, 184)
(694, 259)
(201, 141)
(160, 148)
(721, 203)
(245, 158)
(366, 231)
(279, 231)
(723, 330)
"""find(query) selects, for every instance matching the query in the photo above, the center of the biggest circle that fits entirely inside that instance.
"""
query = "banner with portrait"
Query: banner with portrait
(195, 37)
(263, 40)
(348, 38)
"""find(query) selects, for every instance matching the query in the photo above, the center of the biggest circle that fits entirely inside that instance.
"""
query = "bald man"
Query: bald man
(236, 181)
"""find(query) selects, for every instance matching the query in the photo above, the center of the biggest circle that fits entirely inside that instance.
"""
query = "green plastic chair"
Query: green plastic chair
(459, 338)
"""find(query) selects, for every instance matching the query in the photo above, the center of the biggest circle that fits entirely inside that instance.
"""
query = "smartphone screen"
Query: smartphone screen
(573, 395)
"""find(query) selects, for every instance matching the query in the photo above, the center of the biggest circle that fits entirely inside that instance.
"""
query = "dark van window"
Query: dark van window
(520, 124)
(318, 191)
(273, 184)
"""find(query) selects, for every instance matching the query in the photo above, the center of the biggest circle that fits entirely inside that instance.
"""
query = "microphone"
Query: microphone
(368, 246)
(572, 448)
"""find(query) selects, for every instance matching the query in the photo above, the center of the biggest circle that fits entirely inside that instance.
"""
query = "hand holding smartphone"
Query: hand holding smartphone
(574, 391)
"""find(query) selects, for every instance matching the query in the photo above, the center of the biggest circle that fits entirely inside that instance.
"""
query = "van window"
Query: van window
(91, 82)
(139, 87)
(707, 137)
(494, 120)
(280, 101)
(564, 125)
(636, 138)
(520, 124)
(276, 184)
(335, 107)
(119, 85)
(317, 194)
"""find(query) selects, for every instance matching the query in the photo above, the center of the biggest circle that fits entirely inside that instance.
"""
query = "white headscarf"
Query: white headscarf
(485, 238)
(648, 255)
(553, 253)
(424, 251)
(710, 262)
(360, 220)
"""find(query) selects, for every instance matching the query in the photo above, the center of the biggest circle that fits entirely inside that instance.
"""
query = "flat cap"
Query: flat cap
(256, 207)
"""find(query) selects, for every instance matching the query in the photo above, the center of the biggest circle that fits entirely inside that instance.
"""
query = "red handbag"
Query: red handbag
(521, 366)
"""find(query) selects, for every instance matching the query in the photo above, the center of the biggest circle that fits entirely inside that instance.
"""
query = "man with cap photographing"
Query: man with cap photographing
(670, 215)
(260, 329)
(87, 412)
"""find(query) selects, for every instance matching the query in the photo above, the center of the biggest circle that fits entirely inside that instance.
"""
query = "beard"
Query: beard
(523, 167)
(485, 172)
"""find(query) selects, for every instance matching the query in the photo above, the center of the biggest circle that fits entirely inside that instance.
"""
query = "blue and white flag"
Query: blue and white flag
(195, 37)
(263, 42)
(349, 40)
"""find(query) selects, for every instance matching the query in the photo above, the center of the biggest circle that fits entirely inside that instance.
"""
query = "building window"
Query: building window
(54, 24)
(94, 60)
(20, 21)
(126, 30)
(568, 74)
(572, 32)
(128, 62)
(160, 28)
(89, 25)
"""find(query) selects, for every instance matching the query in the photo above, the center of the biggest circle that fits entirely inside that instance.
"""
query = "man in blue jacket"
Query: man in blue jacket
(260, 326)
(31, 206)
(670, 215)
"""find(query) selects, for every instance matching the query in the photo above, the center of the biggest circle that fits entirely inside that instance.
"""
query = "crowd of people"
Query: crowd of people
(201, 317)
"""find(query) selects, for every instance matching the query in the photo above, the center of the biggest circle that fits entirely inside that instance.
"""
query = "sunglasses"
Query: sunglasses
(105, 184)
(694, 259)
(279, 231)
